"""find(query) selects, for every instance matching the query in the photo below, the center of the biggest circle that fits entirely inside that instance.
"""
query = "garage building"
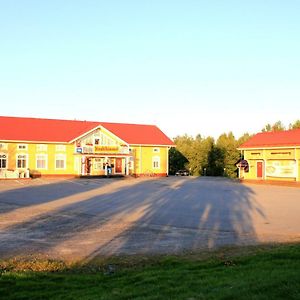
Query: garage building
(271, 156)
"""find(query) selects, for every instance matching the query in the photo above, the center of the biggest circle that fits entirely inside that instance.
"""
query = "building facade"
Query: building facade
(271, 156)
(80, 148)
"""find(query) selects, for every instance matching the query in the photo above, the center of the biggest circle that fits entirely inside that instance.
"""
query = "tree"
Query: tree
(204, 156)
(244, 138)
(277, 126)
(228, 144)
(295, 125)
(198, 158)
(216, 163)
(177, 161)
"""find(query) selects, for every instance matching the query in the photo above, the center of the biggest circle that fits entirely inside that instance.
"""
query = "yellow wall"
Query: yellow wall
(143, 160)
(142, 163)
(32, 151)
(269, 156)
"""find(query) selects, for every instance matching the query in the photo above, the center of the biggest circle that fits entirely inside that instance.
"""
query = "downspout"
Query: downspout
(168, 148)
(140, 159)
(239, 168)
(297, 166)
(265, 164)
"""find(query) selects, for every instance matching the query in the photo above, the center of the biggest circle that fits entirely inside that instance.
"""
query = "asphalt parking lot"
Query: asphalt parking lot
(80, 219)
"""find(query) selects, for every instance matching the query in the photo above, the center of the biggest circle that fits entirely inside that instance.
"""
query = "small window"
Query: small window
(41, 161)
(3, 146)
(3, 161)
(41, 147)
(156, 150)
(60, 161)
(156, 162)
(22, 147)
(60, 148)
(21, 161)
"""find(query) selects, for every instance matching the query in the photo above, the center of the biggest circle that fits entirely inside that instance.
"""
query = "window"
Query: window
(3, 161)
(21, 161)
(106, 141)
(41, 161)
(41, 147)
(3, 146)
(156, 162)
(60, 161)
(89, 141)
(60, 148)
(156, 150)
(22, 147)
(98, 164)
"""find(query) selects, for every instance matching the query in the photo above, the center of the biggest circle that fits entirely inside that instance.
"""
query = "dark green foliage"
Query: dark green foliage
(177, 161)
(228, 146)
(267, 273)
(204, 156)
(216, 164)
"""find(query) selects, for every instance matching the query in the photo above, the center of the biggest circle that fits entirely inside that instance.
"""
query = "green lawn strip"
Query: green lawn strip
(265, 273)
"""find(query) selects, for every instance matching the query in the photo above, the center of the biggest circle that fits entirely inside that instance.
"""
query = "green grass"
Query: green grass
(271, 272)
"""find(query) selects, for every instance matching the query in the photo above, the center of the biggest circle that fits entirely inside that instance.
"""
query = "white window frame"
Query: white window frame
(6, 160)
(60, 148)
(77, 164)
(26, 160)
(64, 160)
(41, 147)
(46, 161)
(22, 147)
(156, 162)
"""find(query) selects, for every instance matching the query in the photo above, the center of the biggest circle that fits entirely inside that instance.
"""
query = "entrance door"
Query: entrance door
(88, 163)
(259, 169)
(118, 167)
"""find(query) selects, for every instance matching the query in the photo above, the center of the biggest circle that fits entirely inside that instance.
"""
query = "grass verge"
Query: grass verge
(264, 272)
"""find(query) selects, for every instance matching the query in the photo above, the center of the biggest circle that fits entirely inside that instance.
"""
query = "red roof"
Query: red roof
(137, 134)
(289, 138)
(64, 131)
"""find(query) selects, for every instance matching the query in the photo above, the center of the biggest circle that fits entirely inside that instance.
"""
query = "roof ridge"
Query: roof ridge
(77, 120)
(139, 124)
(278, 131)
(49, 119)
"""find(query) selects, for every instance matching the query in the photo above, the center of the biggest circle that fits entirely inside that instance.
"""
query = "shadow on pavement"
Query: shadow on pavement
(141, 216)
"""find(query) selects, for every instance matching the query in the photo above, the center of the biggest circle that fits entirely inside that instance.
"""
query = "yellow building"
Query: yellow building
(271, 156)
(80, 148)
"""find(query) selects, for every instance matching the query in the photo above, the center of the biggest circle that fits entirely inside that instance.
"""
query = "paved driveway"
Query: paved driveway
(80, 219)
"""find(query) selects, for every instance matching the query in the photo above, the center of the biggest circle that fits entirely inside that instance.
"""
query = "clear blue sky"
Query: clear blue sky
(187, 66)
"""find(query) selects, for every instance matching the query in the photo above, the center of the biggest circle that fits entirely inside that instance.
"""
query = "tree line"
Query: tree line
(205, 156)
